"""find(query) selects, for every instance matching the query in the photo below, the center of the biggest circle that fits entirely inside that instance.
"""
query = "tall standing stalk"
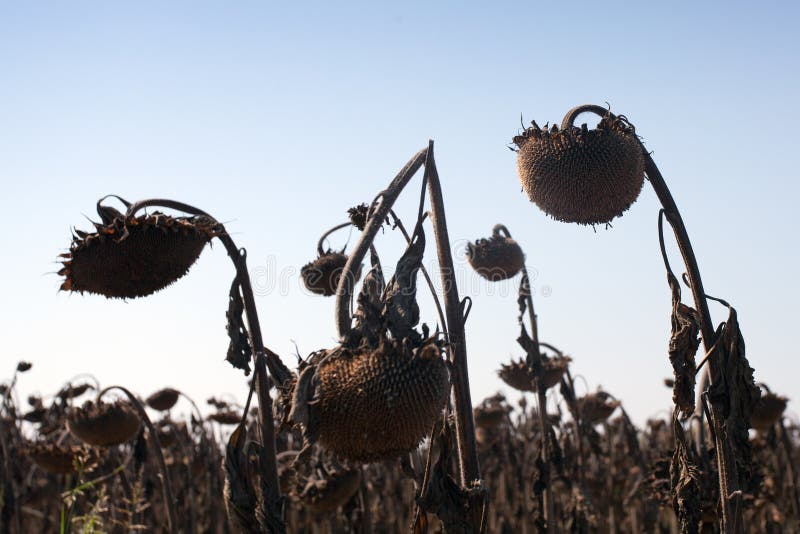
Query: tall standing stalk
(730, 496)
(534, 362)
(469, 467)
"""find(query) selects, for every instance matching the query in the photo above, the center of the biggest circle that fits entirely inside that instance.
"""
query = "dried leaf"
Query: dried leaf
(683, 344)
(239, 494)
(401, 309)
(368, 319)
(685, 483)
(239, 348)
(443, 495)
(735, 392)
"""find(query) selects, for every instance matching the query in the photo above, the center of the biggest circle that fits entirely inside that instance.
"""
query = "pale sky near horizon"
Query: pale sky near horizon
(276, 118)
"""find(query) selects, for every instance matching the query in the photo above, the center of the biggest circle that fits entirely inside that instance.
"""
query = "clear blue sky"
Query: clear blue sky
(278, 117)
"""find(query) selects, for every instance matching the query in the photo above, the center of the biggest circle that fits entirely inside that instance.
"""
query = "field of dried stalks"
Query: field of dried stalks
(379, 433)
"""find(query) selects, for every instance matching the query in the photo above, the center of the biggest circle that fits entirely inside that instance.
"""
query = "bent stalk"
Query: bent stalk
(730, 497)
(465, 426)
(261, 360)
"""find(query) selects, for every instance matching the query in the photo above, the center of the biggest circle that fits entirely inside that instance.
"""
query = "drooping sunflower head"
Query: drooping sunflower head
(134, 256)
(581, 175)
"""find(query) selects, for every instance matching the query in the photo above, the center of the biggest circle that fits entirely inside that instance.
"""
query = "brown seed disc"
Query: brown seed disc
(580, 175)
(163, 399)
(322, 275)
(53, 458)
(379, 404)
(767, 411)
(135, 257)
(103, 424)
(329, 494)
(497, 258)
(596, 407)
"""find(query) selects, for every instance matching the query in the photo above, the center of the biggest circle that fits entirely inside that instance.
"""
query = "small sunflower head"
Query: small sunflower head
(322, 275)
(325, 495)
(519, 375)
(102, 424)
(56, 458)
(767, 411)
(496, 258)
(163, 399)
(597, 407)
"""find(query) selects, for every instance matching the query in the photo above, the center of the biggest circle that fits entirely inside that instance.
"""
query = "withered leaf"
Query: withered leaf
(734, 391)
(401, 309)
(368, 320)
(683, 344)
(443, 495)
(685, 483)
(684, 340)
(239, 347)
(239, 493)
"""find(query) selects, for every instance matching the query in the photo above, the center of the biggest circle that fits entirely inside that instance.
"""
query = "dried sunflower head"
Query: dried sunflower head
(322, 275)
(496, 258)
(55, 458)
(163, 399)
(767, 411)
(581, 175)
(597, 407)
(329, 493)
(373, 404)
(226, 417)
(490, 416)
(104, 424)
(519, 375)
(71, 392)
(134, 256)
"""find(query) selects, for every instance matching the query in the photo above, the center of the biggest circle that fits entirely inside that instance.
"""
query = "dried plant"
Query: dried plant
(590, 176)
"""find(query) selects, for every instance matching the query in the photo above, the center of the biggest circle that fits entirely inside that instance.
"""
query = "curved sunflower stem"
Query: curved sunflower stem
(273, 503)
(166, 483)
(322, 239)
(534, 362)
(469, 466)
(730, 497)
